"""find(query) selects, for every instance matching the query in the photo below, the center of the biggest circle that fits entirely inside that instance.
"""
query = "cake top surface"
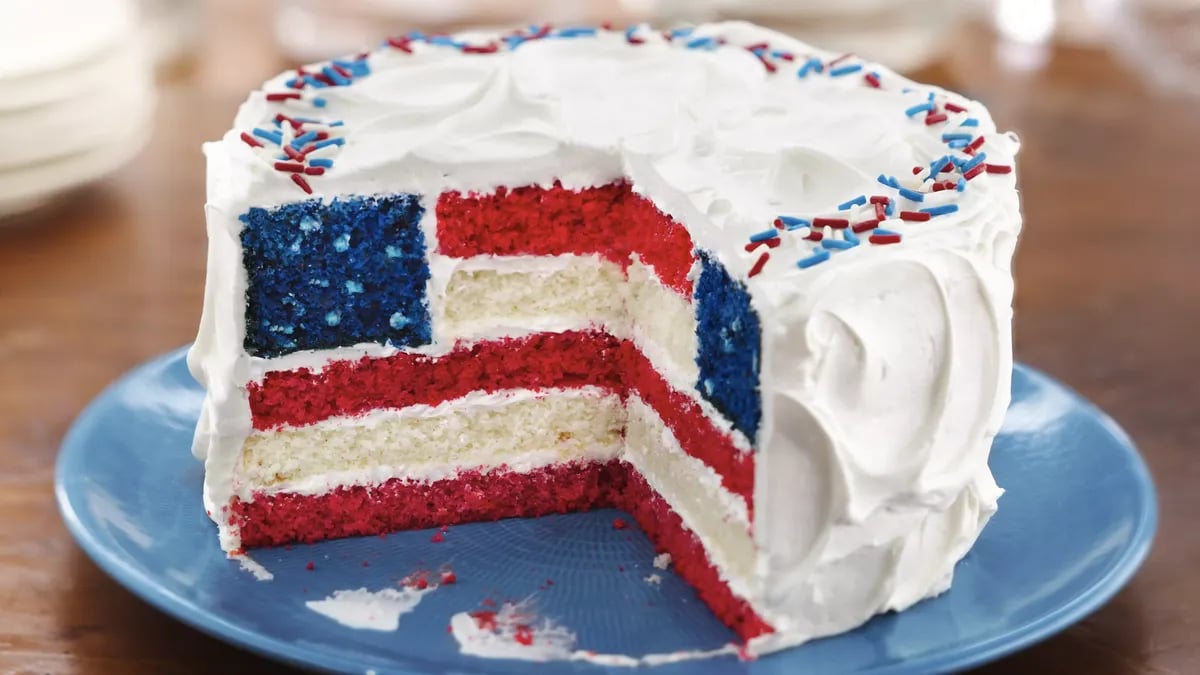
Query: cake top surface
(778, 156)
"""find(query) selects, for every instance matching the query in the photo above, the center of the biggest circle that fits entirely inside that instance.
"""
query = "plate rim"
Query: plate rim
(1082, 605)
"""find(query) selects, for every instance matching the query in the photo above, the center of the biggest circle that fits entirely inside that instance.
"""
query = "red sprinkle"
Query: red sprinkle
(835, 223)
(366, 563)
(292, 152)
(437, 538)
(838, 60)
(310, 566)
(489, 48)
(341, 71)
(872, 79)
(974, 146)
(619, 524)
(948, 167)
(918, 169)
(294, 167)
(866, 225)
(770, 243)
(814, 235)
(314, 171)
(524, 635)
(933, 118)
(885, 238)
(485, 619)
(975, 172)
(324, 79)
(880, 212)
(762, 58)
(299, 180)
(401, 43)
(757, 46)
(998, 168)
(954, 107)
(944, 185)
(786, 56)
(917, 216)
(249, 140)
(758, 266)
(283, 96)
(635, 40)
(449, 578)
(879, 199)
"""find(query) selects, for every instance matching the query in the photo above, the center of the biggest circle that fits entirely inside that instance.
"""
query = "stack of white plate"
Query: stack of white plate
(76, 96)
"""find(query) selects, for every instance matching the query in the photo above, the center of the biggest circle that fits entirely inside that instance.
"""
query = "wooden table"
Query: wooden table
(1108, 300)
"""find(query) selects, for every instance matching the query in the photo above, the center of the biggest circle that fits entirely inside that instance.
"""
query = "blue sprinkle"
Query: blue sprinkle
(819, 256)
(907, 90)
(398, 321)
(682, 32)
(962, 184)
(940, 210)
(975, 161)
(443, 40)
(780, 54)
(813, 64)
(958, 145)
(337, 123)
(307, 120)
(946, 138)
(273, 136)
(277, 122)
(334, 75)
(850, 237)
(889, 210)
(919, 108)
(936, 166)
(299, 141)
(514, 41)
(969, 122)
(328, 142)
(576, 32)
(342, 243)
(889, 181)
(355, 287)
(319, 102)
(793, 223)
(322, 162)
(764, 235)
(911, 195)
(416, 35)
(836, 244)
(702, 43)
(857, 201)
(293, 83)
(884, 232)
(333, 318)
(930, 99)
(312, 81)
(629, 32)
(845, 70)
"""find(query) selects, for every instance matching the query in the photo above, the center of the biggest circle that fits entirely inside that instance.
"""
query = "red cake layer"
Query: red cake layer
(272, 520)
(539, 361)
(609, 220)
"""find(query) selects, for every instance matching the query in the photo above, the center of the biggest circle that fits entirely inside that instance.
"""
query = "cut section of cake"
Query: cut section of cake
(754, 294)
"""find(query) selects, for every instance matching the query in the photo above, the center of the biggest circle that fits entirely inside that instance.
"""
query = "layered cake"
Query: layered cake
(753, 293)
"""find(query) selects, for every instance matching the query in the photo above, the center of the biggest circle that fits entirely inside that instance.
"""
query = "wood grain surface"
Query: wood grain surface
(1108, 301)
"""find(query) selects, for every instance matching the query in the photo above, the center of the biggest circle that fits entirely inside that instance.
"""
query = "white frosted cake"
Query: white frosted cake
(755, 294)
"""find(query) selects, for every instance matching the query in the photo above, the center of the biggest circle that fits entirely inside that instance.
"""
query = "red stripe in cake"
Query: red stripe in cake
(609, 220)
(539, 361)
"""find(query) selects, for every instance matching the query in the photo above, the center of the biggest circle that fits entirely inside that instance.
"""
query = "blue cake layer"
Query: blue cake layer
(730, 342)
(324, 275)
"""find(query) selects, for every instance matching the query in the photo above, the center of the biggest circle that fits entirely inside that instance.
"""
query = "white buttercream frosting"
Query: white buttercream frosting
(885, 369)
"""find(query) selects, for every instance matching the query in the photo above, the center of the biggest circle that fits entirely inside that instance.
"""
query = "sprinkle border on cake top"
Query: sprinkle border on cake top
(305, 146)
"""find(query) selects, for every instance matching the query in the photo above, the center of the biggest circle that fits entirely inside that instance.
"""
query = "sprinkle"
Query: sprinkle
(957, 145)
(757, 47)
(631, 38)
(273, 136)
(299, 141)
(873, 80)
(915, 216)
(839, 244)
(814, 235)
(323, 162)
(835, 223)
(249, 140)
(293, 153)
(328, 142)
(319, 102)
(757, 51)
(294, 167)
(314, 171)
(295, 83)
(891, 209)
(583, 31)
(443, 41)
(912, 195)
(758, 266)
(943, 185)
(845, 70)
(284, 96)
(931, 97)
(820, 255)
(970, 149)
(688, 30)
(401, 43)
(889, 181)
(489, 48)
(839, 59)
(702, 43)
(917, 170)
(315, 82)
(866, 225)
(769, 243)
(764, 235)
(975, 161)
(998, 168)
(946, 138)
(962, 184)
(339, 69)
(940, 165)
(974, 172)
(919, 108)
(933, 118)
(792, 223)
(857, 201)
(940, 210)
(884, 237)
(880, 212)
(879, 199)
(813, 64)
(299, 180)
(850, 237)
(449, 578)
(954, 107)
(969, 122)
(786, 56)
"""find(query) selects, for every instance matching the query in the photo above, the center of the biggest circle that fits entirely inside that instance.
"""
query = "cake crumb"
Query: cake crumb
(619, 524)
(437, 538)
(449, 578)
(654, 579)
(310, 566)
(662, 561)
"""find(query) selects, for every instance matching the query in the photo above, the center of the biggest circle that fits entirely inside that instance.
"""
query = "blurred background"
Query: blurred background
(104, 105)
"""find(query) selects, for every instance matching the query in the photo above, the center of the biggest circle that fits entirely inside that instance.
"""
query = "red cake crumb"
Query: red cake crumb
(437, 538)
(485, 619)
(421, 584)
(449, 578)
(309, 566)
(549, 582)
(488, 602)
(524, 635)
(619, 524)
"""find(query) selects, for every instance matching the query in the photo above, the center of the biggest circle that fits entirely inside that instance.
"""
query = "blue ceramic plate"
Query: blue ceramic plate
(1076, 521)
